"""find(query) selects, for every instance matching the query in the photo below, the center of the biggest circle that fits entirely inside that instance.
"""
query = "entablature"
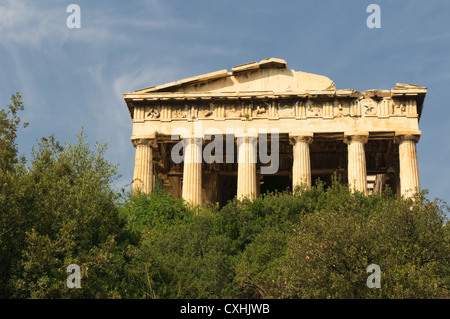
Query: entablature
(326, 105)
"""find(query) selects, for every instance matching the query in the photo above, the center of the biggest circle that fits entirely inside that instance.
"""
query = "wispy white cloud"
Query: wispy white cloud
(35, 23)
(26, 22)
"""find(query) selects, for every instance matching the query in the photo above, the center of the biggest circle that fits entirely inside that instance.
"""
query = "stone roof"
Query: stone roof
(267, 75)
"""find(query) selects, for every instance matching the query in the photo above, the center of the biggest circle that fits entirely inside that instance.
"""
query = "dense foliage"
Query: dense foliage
(313, 244)
(59, 208)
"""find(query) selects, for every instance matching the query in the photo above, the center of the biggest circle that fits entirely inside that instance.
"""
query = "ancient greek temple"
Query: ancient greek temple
(263, 127)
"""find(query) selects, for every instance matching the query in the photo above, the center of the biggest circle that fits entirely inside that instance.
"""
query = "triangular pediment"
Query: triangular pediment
(269, 75)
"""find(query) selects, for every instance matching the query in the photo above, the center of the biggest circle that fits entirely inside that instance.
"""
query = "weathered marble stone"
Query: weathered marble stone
(311, 118)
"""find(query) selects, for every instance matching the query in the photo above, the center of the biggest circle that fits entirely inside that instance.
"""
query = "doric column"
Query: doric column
(301, 168)
(143, 166)
(246, 151)
(357, 171)
(409, 169)
(192, 172)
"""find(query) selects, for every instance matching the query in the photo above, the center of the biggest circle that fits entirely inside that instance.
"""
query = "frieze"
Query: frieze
(139, 114)
(327, 110)
(400, 108)
(411, 108)
(152, 113)
(179, 112)
(261, 108)
(313, 110)
(246, 110)
(355, 108)
(368, 107)
(232, 111)
(276, 109)
(192, 112)
(404, 107)
(205, 110)
(340, 109)
(286, 109)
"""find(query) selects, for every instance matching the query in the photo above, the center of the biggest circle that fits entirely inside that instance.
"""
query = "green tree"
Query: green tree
(315, 243)
(12, 220)
(332, 248)
(9, 125)
(154, 220)
(188, 261)
(74, 220)
(57, 209)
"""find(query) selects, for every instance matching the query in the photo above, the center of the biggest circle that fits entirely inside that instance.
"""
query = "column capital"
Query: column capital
(144, 140)
(356, 136)
(306, 137)
(191, 138)
(245, 134)
(401, 136)
(246, 137)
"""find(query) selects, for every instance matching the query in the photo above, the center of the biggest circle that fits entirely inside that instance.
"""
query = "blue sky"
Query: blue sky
(71, 78)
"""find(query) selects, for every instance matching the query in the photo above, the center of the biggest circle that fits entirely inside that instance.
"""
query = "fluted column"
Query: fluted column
(357, 171)
(301, 168)
(143, 166)
(246, 150)
(409, 169)
(192, 172)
